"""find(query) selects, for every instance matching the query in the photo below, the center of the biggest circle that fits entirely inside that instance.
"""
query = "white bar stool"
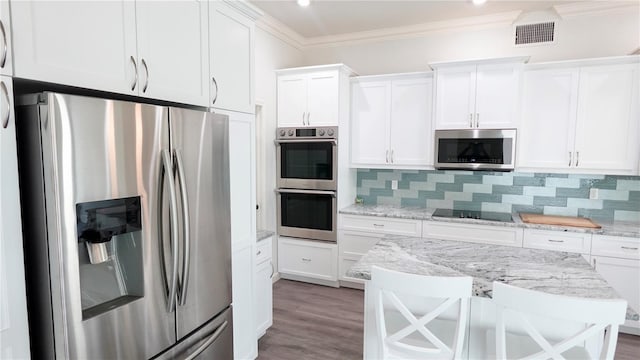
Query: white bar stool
(538, 325)
(405, 306)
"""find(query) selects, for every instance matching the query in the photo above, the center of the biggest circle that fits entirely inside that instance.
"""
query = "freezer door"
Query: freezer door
(96, 172)
(201, 153)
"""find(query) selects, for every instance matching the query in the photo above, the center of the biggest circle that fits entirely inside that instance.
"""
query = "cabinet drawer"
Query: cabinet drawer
(484, 234)
(616, 246)
(345, 264)
(382, 225)
(309, 259)
(263, 250)
(556, 240)
(356, 243)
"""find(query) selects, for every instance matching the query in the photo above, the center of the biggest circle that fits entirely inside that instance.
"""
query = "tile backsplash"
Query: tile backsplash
(618, 197)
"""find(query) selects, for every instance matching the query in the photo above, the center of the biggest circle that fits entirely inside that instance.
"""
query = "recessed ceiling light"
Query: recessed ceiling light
(307, 2)
(475, 2)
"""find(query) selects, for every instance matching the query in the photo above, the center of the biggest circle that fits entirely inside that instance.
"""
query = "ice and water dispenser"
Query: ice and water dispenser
(109, 254)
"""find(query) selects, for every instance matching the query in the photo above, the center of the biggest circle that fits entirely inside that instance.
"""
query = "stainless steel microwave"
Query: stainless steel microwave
(475, 149)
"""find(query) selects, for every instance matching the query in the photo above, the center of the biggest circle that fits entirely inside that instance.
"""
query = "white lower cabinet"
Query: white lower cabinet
(557, 240)
(263, 291)
(308, 260)
(483, 234)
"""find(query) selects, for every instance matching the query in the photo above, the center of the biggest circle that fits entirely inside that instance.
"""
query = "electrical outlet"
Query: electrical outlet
(394, 184)
(593, 193)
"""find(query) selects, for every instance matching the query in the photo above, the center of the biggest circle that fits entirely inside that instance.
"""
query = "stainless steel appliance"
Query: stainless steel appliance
(126, 227)
(309, 214)
(476, 149)
(470, 214)
(307, 158)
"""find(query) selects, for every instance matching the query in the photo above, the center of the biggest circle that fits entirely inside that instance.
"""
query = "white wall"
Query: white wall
(585, 36)
(271, 54)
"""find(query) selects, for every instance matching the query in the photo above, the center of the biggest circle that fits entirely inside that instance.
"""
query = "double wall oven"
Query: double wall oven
(307, 182)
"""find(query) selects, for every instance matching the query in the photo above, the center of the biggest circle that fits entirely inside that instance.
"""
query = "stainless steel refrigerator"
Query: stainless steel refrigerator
(127, 229)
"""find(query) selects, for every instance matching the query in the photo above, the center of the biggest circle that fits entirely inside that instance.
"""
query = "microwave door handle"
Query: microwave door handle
(186, 239)
(310, 192)
(168, 169)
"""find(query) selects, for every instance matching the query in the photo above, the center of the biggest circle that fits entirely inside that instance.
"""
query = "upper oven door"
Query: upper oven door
(475, 149)
(307, 164)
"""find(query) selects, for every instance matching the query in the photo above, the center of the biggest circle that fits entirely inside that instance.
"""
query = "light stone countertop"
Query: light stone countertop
(612, 228)
(263, 234)
(552, 272)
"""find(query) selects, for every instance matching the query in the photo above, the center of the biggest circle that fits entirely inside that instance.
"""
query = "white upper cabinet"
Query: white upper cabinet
(608, 116)
(391, 121)
(581, 118)
(549, 110)
(311, 96)
(86, 44)
(477, 95)
(6, 56)
(231, 58)
(173, 50)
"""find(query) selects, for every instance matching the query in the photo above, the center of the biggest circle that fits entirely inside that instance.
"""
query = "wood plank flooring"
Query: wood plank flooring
(313, 322)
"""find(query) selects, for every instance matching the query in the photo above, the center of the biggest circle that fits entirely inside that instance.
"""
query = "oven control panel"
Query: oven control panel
(327, 132)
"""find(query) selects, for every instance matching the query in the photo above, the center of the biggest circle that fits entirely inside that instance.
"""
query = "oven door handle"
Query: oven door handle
(334, 141)
(312, 192)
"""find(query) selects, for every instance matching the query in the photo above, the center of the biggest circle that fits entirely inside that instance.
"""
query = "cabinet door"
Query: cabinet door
(623, 275)
(370, 114)
(455, 97)
(549, 105)
(231, 38)
(89, 44)
(14, 331)
(322, 99)
(497, 96)
(245, 342)
(263, 297)
(411, 135)
(173, 51)
(607, 127)
(6, 55)
(292, 100)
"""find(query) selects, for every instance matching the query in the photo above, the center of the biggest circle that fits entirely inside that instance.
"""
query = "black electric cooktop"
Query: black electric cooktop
(468, 214)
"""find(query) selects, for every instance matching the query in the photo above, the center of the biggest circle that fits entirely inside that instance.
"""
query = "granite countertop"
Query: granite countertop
(613, 228)
(552, 272)
(263, 234)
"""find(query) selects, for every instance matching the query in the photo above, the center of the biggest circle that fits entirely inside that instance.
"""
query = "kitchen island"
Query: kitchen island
(553, 272)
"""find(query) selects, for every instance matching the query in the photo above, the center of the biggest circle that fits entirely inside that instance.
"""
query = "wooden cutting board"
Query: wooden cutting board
(558, 220)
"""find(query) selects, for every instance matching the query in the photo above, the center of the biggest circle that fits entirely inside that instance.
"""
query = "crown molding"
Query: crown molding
(593, 7)
(247, 9)
(274, 27)
(291, 37)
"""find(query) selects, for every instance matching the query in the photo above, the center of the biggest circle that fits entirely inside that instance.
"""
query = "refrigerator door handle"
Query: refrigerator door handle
(209, 341)
(186, 258)
(173, 209)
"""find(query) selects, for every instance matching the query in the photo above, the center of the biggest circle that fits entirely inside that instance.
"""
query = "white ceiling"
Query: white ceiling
(335, 17)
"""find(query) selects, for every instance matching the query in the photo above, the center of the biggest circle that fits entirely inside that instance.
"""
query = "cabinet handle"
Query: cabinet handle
(273, 270)
(146, 70)
(303, 113)
(570, 157)
(3, 59)
(135, 72)
(594, 263)
(477, 119)
(628, 248)
(378, 225)
(577, 158)
(470, 120)
(259, 252)
(5, 95)
(555, 241)
(215, 83)
(306, 259)
(308, 117)
(391, 156)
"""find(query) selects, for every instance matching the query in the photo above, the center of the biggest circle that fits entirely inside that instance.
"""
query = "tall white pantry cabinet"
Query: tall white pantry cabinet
(205, 57)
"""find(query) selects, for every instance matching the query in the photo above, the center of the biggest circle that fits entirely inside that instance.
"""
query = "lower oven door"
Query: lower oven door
(309, 214)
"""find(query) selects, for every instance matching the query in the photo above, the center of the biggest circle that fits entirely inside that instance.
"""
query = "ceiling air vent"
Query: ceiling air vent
(539, 33)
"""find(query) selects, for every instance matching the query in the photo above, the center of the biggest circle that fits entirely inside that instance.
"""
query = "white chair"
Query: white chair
(580, 322)
(402, 298)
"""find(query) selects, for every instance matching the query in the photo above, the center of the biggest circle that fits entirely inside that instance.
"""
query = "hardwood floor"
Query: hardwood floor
(313, 322)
